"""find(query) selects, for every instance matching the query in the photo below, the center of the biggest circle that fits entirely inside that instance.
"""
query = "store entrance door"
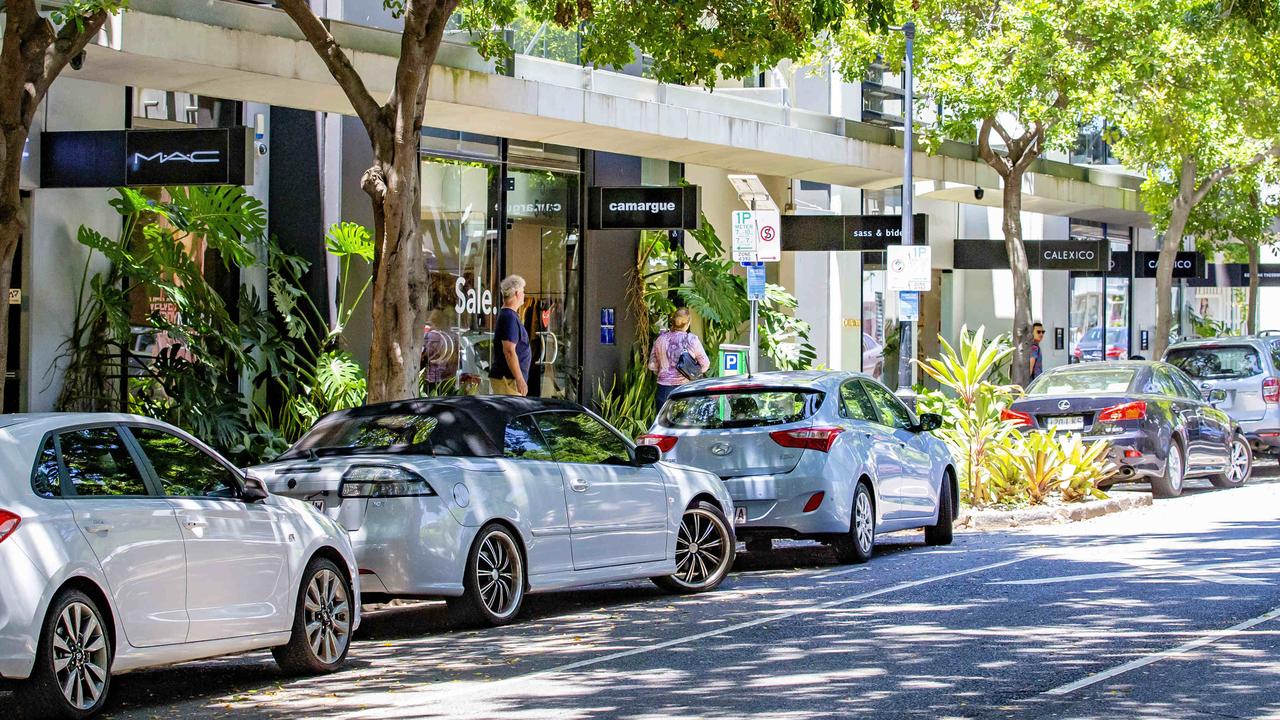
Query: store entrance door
(543, 247)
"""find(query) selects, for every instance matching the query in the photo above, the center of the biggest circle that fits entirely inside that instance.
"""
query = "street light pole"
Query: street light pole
(906, 336)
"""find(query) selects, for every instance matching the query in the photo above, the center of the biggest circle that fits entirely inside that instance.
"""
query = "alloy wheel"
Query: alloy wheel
(864, 522)
(1239, 461)
(702, 548)
(80, 660)
(499, 575)
(327, 616)
(1175, 469)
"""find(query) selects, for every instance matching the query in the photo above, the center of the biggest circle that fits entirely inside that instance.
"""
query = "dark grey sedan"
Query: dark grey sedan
(1161, 430)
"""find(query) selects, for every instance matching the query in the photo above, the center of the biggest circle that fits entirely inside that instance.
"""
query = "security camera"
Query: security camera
(978, 193)
(261, 147)
(77, 61)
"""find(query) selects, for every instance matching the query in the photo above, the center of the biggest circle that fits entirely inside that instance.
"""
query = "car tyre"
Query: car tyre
(860, 544)
(322, 622)
(1239, 467)
(941, 533)
(75, 635)
(493, 582)
(705, 549)
(1169, 484)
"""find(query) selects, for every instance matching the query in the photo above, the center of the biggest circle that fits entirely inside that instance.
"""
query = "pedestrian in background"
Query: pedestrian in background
(509, 371)
(1035, 356)
(677, 356)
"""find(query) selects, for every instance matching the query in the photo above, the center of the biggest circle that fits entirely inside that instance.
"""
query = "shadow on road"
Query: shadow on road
(969, 647)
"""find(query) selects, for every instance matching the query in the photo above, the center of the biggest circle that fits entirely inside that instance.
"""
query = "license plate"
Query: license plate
(1067, 422)
(318, 505)
(739, 515)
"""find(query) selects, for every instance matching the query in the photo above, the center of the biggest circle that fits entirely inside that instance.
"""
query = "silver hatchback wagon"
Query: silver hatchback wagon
(829, 456)
(1247, 371)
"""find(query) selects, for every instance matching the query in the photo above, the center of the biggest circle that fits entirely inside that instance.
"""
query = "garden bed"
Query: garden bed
(999, 519)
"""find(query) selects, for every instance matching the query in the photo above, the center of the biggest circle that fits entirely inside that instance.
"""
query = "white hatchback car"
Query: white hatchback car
(480, 500)
(125, 543)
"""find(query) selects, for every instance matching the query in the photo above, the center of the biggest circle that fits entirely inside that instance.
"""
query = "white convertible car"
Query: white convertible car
(480, 500)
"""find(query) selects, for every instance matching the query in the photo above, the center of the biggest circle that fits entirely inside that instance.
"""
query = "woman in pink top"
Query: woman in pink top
(667, 350)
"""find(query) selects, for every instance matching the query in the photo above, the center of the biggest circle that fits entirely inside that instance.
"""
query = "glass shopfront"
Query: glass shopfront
(1099, 315)
(491, 209)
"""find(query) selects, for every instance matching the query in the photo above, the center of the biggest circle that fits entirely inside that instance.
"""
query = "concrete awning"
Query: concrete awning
(252, 53)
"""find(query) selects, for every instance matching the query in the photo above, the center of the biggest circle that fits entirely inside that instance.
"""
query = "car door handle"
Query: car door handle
(193, 523)
(97, 526)
(579, 485)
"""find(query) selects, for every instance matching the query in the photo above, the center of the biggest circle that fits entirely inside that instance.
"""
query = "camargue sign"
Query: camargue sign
(642, 208)
(138, 158)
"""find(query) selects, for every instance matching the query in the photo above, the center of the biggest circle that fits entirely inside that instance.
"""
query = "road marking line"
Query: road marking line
(674, 642)
(1183, 649)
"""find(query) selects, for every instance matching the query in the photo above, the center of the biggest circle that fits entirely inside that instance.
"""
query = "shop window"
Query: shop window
(460, 238)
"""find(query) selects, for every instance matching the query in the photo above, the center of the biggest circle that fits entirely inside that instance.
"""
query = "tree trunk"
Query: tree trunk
(1164, 276)
(1020, 372)
(1252, 302)
(13, 223)
(399, 288)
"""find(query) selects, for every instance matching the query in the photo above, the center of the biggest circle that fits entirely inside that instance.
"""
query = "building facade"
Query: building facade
(507, 161)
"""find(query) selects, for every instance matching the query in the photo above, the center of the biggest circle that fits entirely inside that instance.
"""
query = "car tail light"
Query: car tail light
(1136, 410)
(8, 523)
(662, 442)
(1077, 352)
(1017, 418)
(1115, 352)
(379, 481)
(1271, 390)
(814, 501)
(820, 438)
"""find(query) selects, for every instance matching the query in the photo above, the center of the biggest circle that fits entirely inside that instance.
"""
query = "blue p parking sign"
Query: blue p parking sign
(731, 362)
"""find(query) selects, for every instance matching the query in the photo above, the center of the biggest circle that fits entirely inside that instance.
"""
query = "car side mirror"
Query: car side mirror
(254, 490)
(1218, 396)
(928, 421)
(647, 455)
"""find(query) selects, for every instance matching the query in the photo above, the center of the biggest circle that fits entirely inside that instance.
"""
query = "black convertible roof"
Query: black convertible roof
(469, 425)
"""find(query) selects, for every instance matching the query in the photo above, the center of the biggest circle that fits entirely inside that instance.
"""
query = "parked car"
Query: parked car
(872, 356)
(1247, 370)
(125, 543)
(1090, 346)
(481, 499)
(1160, 429)
(830, 456)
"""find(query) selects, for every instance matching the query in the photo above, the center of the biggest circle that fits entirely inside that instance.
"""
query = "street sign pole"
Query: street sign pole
(906, 338)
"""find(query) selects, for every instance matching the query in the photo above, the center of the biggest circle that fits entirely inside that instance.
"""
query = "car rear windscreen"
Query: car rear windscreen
(1231, 362)
(1108, 380)
(740, 408)
(439, 430)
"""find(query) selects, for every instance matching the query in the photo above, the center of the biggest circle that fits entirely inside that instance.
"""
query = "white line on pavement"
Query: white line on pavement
(1199, 642)
(490, 687)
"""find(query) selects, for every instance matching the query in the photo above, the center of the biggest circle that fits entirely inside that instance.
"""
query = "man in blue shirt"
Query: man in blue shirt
(1036, 356)
(509, 371)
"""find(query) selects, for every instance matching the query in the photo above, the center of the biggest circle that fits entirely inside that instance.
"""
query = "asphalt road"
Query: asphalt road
(1171, 611)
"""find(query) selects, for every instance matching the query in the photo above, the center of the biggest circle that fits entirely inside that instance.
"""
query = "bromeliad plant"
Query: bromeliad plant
(998, 464)
(972, 426)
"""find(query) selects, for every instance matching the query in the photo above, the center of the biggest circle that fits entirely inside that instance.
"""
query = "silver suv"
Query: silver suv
(1247, 369)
